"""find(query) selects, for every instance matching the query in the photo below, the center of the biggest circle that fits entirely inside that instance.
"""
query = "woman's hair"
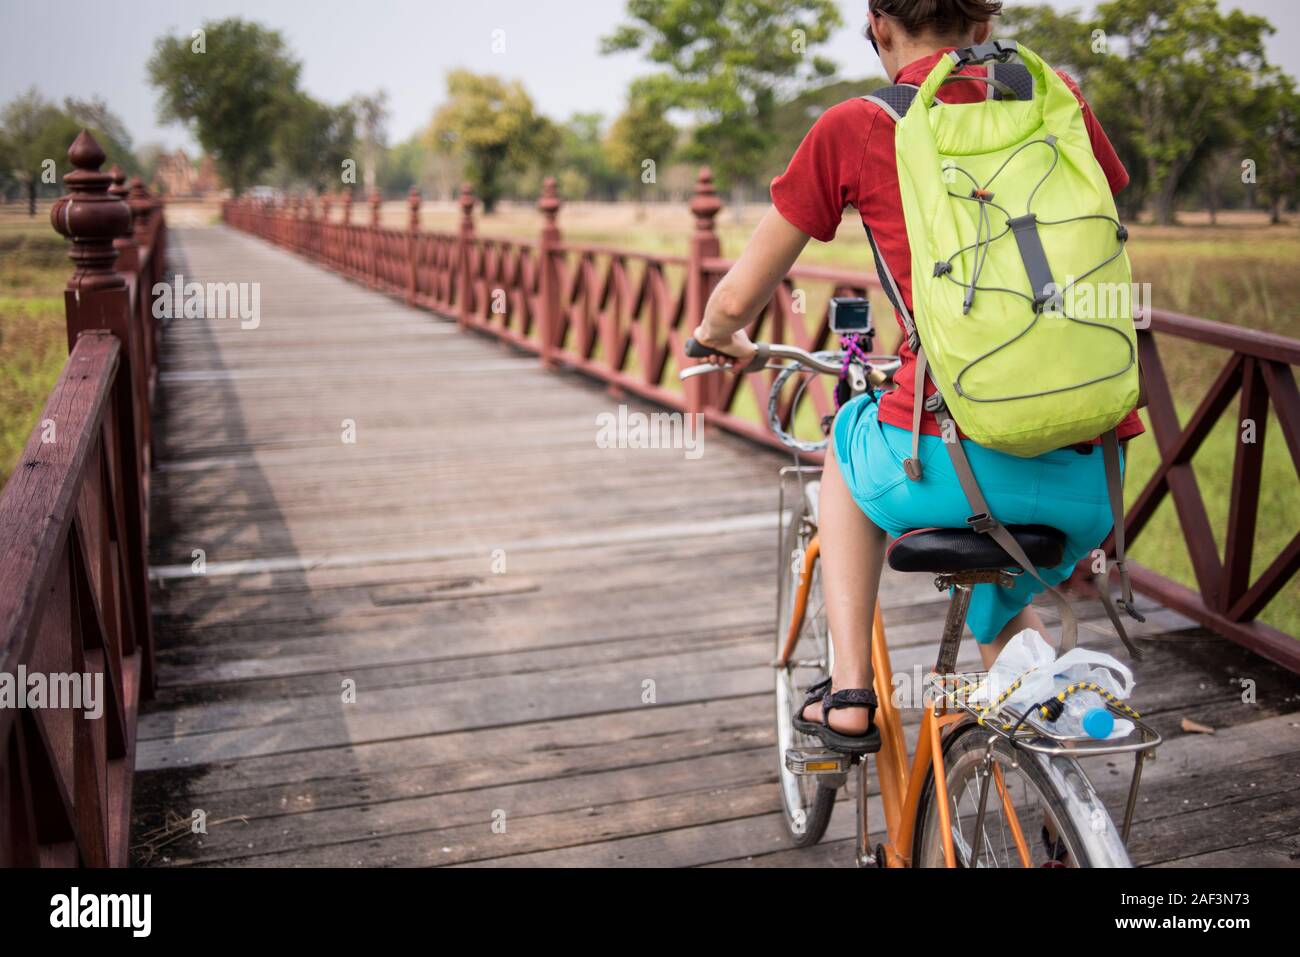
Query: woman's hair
(944, 18)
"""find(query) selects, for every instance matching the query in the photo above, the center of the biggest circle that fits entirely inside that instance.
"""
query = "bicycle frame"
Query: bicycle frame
(901, 786)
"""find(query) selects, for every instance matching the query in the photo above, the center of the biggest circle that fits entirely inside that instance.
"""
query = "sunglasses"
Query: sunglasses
(866, 32)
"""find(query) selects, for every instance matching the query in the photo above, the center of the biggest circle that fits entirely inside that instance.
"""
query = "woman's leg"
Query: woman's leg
(1028, 617)
(852, 552)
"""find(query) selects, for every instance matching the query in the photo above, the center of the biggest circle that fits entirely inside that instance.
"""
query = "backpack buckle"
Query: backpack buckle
(1000, 50)
(983, 522)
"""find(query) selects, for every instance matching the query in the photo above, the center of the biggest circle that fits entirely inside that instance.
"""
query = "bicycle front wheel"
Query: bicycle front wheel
(807, 802)
(1039, 811)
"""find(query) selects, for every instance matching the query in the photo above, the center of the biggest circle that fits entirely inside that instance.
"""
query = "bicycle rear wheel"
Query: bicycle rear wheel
(807, 801)
(1039, 811)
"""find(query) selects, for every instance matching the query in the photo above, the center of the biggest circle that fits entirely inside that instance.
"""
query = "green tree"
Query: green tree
(110, 132)
(728, 63)
(581, 161)
(641, 132)
(312, 141)
(232, 85)
(32, 127)
(1187, 71)
(1274, 120)
(494, 127)
(371, 111)
(1061, 37)
(402, 165)
(36, 136)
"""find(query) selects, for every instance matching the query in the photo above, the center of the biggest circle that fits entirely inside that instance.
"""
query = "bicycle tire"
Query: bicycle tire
(807, 805)
(1081, 819)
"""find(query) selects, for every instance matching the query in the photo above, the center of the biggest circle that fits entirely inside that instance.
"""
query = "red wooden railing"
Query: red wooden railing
(620, 316)
(74, 533)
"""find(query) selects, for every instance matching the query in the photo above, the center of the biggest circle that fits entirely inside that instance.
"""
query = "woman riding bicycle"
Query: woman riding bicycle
(848, 159)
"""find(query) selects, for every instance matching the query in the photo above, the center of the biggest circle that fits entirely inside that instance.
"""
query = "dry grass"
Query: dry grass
(33, 336)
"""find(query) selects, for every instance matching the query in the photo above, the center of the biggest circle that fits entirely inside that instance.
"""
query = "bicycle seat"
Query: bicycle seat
(947, 550)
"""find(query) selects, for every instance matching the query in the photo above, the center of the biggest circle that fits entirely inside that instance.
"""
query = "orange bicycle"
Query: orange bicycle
(986, 787)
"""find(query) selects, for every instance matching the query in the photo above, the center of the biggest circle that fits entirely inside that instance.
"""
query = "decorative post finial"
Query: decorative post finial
(119, 187)
(413, 204)
(375, 202)
(91, 216)
(705, 203)
(550, 202)
(347, 207)
(141, 205)
(466, 203)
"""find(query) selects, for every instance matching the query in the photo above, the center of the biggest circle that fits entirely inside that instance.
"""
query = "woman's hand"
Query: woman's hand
(737, 346)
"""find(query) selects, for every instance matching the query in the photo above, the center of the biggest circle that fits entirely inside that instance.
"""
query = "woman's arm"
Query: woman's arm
(748, 286)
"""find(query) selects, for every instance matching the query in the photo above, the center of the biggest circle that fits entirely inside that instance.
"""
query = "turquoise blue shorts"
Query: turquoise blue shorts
(1064, 489)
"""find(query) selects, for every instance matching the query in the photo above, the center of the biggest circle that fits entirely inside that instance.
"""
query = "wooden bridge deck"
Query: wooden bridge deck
(517, 698)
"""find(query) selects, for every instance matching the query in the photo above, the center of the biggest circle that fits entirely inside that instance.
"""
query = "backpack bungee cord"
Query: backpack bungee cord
(1051, 295)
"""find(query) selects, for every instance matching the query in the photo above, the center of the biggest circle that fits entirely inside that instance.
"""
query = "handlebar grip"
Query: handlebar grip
(697, 350)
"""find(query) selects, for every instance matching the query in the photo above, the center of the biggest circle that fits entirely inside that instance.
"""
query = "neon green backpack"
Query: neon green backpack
(1021, 306)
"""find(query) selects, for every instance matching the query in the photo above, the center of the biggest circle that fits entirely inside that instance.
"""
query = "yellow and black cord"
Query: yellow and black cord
(1044, 712)
(1050, 709)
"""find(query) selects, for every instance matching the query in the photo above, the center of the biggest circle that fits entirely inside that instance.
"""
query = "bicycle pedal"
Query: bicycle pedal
(817, 761)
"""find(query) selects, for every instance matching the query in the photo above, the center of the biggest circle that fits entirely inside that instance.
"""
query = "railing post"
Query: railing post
(465, 282)
(327, 206)
(127, 261)
(412, 242)
(548, 253)
(145, 212)
(313, 226)
(704, 206)
(375, 202)
(97, 298)
(347, 250)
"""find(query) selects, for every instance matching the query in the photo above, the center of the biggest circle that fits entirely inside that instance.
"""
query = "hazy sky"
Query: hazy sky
(83, 48)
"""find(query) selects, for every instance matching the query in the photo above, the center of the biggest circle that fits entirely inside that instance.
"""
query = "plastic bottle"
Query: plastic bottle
(1085, 713)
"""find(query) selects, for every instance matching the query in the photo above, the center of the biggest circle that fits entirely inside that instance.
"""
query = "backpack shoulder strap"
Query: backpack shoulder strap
(1115, 491)
(1016, 76)
(894, 100)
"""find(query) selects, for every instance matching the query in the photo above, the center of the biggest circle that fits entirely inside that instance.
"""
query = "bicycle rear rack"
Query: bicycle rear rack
(968, 691)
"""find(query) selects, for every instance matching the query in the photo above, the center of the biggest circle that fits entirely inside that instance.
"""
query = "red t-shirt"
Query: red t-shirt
(847, 159)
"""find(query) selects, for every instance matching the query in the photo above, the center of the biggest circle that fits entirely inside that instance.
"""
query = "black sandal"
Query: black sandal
(867, 743)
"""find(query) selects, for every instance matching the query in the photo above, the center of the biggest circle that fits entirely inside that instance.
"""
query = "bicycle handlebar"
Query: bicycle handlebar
(765, 351)
(771, 350)
(879, 373)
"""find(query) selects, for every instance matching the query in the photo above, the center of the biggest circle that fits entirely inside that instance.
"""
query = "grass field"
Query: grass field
(1242, 272)
(34, 267)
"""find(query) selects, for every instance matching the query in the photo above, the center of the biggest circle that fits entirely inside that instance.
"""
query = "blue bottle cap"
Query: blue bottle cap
(1098, 723)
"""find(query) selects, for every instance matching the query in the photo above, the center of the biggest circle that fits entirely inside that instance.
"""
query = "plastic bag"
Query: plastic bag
(1027, 657)
(1031, 660)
